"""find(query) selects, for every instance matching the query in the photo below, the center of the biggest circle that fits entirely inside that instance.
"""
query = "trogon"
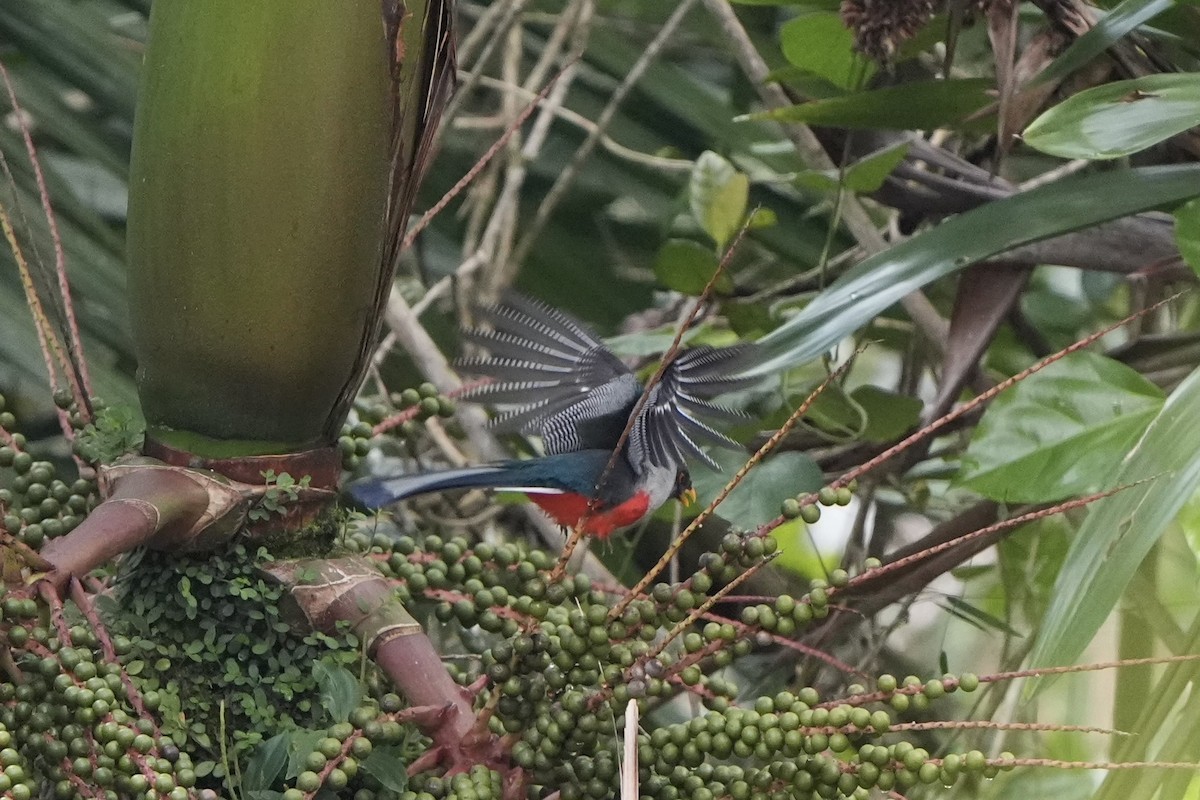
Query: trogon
(557, 380)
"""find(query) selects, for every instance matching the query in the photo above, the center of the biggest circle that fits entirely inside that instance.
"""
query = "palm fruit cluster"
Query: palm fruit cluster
(399, 414)
(35, 503)
(561, 668)
(810, 512)
(75, 723)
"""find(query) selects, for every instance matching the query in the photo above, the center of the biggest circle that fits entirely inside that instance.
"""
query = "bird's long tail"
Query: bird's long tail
(376, 493)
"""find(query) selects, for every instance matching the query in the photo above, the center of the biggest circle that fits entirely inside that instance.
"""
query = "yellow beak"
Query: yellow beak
(688, 497)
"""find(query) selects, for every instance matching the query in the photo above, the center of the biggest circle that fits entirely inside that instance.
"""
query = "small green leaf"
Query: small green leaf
(819, 43)
(687, 266)
(761, 218)
(863, 176)
(920, 104)
(1058, 432)
(833, 412)
(889, 415)
(1119, 118)
(748, 320)
(340, 690)
(268, 761)
(718, 194)
(1187, 233)
(756, 499)
(387, 766)
(868, 173)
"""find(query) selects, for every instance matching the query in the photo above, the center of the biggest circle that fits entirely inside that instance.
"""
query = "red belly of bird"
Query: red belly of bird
(567, 509)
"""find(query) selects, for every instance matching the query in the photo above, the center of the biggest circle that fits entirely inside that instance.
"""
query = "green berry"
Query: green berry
(308, 781)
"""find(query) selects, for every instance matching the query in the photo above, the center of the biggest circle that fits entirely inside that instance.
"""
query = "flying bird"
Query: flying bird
(557, 380)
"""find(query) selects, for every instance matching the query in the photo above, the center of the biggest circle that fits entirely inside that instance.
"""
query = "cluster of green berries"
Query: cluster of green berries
(479, 783)
(335, 761)
(794, 507)
(914, 694)
(563, 668)
(70, 725)
(64, 399)
(37, 505)
(423, 402)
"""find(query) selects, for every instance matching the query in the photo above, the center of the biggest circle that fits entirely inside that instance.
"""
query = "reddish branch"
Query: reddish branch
(327, 592)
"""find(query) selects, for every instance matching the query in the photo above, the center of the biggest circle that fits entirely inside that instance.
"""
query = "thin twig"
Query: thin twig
(565, 178)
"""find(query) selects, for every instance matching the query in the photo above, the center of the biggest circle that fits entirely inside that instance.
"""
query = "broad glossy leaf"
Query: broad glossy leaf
(756, 499)
(1187, 233)
(387, 766)
(340, 691)
(819, 43)
(878, 282)
(889, 415)
(1119, 531)
(1115, 24)
(300, 744)
(718, 194)
(1058, 432)
(1118, 119)
(268, 761)
(687, 266)
(920, 104)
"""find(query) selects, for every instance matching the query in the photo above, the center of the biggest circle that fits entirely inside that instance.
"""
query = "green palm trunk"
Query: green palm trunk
(273, 165)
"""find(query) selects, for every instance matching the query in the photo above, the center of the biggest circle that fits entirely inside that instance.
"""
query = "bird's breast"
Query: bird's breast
(568, 508)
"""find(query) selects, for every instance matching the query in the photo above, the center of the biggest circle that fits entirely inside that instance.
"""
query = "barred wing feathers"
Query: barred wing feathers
(674, 417)
(563, 384)
(561, 380)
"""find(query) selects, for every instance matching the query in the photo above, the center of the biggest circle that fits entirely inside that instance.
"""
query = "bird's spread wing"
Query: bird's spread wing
(675, 418)
(561, 381)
